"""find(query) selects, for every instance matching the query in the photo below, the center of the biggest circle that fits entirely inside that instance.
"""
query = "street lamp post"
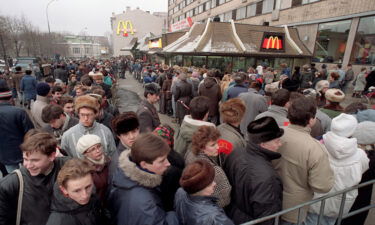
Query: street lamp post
(49, 30)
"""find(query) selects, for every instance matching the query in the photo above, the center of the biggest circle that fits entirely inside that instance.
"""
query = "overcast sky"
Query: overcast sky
(75, 15)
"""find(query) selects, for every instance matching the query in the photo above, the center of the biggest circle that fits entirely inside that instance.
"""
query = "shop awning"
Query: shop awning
(229, 38)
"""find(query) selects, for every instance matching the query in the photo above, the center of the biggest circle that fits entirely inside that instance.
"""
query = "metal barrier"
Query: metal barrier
(299, 207)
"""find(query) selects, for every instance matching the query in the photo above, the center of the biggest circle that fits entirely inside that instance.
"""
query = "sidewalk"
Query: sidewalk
(130, 93)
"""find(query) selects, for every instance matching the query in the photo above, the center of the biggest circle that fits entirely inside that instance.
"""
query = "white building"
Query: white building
(87, 46)
(132, 24)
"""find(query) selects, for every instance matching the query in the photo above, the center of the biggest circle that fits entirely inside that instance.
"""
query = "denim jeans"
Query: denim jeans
(283, 222)
(312, 219)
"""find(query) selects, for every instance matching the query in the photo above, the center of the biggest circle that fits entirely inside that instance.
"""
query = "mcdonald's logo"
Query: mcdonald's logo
(122, 26)
(272, 42)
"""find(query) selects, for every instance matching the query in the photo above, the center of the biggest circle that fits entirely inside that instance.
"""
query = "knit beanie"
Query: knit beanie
(344, 125)
(197, 176)
(365, 133)
(85, 142)
(42, 89)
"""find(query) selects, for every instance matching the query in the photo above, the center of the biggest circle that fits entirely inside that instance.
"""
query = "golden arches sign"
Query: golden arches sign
(123, 26)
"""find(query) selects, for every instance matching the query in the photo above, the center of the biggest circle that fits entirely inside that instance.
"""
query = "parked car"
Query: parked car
(26, 63)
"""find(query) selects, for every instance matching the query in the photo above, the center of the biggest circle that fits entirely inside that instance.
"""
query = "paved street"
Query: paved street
(130, 93)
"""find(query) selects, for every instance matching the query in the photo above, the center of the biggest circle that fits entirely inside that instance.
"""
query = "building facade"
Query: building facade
(133, 24)
(87, 46)
(335, 31)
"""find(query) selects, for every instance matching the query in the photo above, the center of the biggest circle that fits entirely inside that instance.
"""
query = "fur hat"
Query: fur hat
(263, 130)
(321, 84)
(86, 141)
(42, 89)
(125, 122)
(197, 176)
(344, 125)
(311, 93)
(365, 133)
(334, 95)
(290, 85)
(86, 101)
(232, 110)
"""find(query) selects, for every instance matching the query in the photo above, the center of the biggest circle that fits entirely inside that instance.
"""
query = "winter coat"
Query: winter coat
(305, 78)
(184, 93)
(61, 74)
(134, 197)
(36, 111)
(107, 90)
(114, 161)
(303, 167)
(70, 138)
(166, 89)
(14, 124)
(360, 82)
(236, 90)
(57, 133)
(171, 179)
(256, 186)
(324, 119)
(255, 104)
(37, 196)
(223, 187)
(364, 194)
(28, 87)
(278, 113)
(370, 80)
(211, 89)
(100, 178)
(185, 133)
(232, 134)
(147, 116)
(16, 78)
(199, 210)
(65, 211)
(195, 84)
(105, 118)
(348, 163)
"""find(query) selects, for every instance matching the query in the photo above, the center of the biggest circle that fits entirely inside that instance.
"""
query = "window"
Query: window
(87, 51)
(241, 13)
(309, 1)
(259, 8)
(213, 4)
(199, 61)
(208, 5)
(200, 9)
(331, 41)
(227, 16)
(76, 50)
(251, 10)
(190, 13)
(224, 64)
(364, 46)
(296, 3)
(175, 9)
(221, 2)
(176, 60)
(182, 5)
(268, 6)
(188, 2)
(239, 63)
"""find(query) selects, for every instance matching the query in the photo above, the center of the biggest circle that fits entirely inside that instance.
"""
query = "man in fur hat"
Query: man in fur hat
(87, 108)
(256, 187)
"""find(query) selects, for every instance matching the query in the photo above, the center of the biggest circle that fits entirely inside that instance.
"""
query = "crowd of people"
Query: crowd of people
(248, 145)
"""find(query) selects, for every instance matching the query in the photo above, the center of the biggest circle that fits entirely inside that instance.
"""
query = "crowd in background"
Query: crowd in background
(249, 144)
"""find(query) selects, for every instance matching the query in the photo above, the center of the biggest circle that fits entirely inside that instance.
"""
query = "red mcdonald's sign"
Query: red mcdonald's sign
(272, 42)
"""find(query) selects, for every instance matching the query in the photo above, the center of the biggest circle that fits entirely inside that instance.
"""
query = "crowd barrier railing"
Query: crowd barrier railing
(276, 217)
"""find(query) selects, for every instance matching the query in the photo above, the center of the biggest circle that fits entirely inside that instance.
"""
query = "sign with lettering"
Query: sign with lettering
(155, 43)
(125, 27)
(182, 24)
(272, 42)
